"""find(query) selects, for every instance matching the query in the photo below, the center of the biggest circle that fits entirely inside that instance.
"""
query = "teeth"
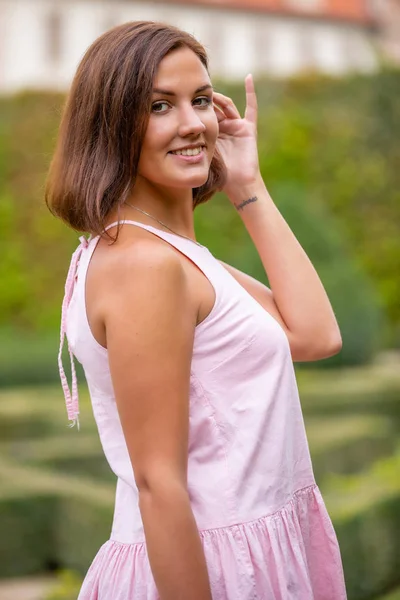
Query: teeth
(189, 151)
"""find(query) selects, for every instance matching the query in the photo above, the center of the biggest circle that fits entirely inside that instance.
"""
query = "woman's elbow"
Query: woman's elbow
(323, 348)
(330, 347)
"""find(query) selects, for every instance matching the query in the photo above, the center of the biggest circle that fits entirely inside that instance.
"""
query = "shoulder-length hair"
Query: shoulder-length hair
(104, 121)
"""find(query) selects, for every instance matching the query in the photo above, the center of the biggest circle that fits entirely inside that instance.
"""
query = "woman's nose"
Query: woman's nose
(190, 122)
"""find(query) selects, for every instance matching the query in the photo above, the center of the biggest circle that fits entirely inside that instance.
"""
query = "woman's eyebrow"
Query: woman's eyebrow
(202, 88)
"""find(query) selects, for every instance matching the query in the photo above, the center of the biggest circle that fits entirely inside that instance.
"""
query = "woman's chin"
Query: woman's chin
(198, 179)
(191, 177)
(194, 181)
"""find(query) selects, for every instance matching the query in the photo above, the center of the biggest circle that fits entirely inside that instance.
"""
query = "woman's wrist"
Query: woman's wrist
(247, 193)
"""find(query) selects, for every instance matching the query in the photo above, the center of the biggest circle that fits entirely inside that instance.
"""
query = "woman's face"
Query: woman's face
(180, 138)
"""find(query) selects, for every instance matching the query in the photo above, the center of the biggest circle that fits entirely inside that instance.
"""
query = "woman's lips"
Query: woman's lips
(189, 159)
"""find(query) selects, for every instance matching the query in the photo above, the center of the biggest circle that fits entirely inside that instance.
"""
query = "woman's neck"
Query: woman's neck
(172, 207)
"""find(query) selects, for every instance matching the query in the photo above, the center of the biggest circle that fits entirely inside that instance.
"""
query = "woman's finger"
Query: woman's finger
(221, 116)
(251, 100)
(227, 105)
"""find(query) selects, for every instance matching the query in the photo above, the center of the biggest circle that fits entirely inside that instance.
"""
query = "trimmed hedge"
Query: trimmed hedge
(352, 295)
(393, 595)
(41, 532)
(31, 359)
(46, 519)
(84, 525)
(346, 446)
(365, 510)
(321, 143)
(71, 527)
(52, 518)
(27, 541)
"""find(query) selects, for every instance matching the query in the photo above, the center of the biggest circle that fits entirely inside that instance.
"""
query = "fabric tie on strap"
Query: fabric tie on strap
(71, 396)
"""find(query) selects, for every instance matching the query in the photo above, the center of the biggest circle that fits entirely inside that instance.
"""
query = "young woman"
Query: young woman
(189, 361)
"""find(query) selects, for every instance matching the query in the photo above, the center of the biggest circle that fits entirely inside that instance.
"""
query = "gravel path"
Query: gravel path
(30, 588)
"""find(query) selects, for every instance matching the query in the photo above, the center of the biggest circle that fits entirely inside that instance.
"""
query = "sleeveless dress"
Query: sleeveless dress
(263, 524)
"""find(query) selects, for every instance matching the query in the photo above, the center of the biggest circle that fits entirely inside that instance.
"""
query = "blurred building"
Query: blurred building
(42, 41)
(387, 15)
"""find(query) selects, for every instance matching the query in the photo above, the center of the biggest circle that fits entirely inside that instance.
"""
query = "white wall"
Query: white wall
(238, 43)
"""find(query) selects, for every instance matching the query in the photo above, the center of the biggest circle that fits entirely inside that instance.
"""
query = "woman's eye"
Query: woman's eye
(158, 106)
(161, 106)
(204, 100)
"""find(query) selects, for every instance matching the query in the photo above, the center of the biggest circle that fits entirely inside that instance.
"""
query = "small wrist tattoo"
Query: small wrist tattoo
(243, 204)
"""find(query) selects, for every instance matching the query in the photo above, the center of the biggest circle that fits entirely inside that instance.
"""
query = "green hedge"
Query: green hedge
(338, 141)
(67, 529)
(47, 519)
(84, 525)
(85, 457)
(27, 541)
(41, 532)
(370, 549)
(354, 300)
(393, 595)
(67, 586)
(26, 409)
(348, 445)
(31, 358)
(365, 510)
(321, 146)
(53, 516)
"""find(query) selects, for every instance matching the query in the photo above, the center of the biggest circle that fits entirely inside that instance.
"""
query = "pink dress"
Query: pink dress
(262, 521)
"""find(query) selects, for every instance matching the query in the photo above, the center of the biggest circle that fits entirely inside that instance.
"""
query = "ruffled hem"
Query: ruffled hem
(292, 554)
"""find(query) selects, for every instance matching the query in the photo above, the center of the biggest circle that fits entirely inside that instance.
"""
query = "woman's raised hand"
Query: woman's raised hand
(237, 139)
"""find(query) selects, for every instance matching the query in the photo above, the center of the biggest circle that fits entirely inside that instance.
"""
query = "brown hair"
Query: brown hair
(104, 121)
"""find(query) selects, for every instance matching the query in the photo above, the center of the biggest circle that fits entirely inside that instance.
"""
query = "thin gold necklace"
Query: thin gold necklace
(163, 224)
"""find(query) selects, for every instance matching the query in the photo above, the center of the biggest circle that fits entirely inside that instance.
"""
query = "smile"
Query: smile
(189, 151)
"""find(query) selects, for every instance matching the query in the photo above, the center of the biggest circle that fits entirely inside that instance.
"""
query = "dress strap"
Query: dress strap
(115, 223)
(71, 395)
(159, 232)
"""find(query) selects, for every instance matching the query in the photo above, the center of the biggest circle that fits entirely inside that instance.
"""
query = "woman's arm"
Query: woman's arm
(150, 321)
(297, 291)
(298, 298)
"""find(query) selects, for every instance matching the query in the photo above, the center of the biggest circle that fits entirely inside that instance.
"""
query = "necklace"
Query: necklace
(164, 225)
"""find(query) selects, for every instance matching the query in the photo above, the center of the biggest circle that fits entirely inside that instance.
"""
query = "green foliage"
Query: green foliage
(28, 358)
(27, 539)
(43, 530)
(67, 586)
(367, 519)
(84, 526)
(353, 297)
(347, 446)
(394, 595)
(55, 513)
(338, 141)
(34, 246)
(328, 153)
